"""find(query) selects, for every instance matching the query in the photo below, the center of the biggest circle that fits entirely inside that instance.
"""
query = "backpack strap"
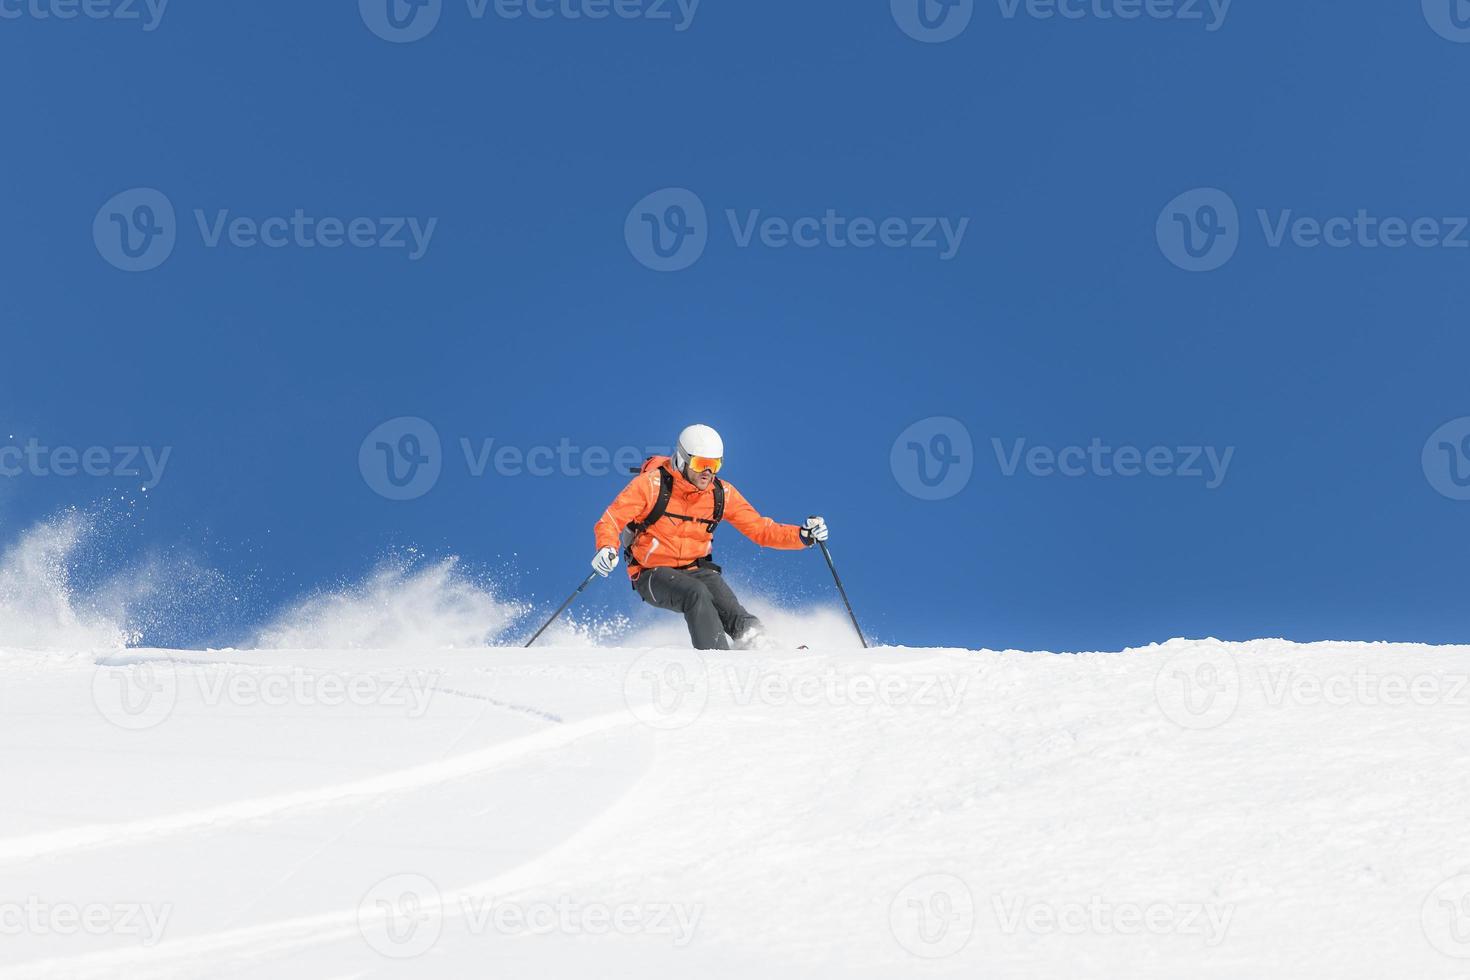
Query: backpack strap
(719, 512)
(660, 508)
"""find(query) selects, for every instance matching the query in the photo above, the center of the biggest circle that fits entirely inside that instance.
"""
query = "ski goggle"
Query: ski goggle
(698, 464)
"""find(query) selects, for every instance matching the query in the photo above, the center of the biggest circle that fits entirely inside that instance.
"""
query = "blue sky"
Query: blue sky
(993, 252)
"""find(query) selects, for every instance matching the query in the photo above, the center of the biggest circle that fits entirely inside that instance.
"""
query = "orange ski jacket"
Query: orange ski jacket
(678, 539)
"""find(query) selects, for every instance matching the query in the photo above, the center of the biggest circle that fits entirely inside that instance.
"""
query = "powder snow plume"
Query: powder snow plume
(74, 582)
(40, 608)
(433, 607)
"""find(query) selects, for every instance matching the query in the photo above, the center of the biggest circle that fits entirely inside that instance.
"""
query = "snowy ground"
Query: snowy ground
(1191, 809)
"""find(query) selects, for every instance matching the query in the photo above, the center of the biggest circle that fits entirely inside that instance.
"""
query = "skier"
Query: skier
(665, 521)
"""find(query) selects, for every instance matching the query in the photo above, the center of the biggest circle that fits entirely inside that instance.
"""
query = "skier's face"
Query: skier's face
(702, 479)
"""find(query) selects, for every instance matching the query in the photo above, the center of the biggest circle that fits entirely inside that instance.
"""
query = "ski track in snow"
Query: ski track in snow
(401, 781)
(200, 955)
(129, 660)
(1052, 780)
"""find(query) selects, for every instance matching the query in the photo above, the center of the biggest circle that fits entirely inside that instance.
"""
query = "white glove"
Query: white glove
(815, 529)
(606, 561)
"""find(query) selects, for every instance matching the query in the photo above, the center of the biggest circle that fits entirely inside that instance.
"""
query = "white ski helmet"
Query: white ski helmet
(697, 440)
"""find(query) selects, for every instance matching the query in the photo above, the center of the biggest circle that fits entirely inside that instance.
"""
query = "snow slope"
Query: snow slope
(1195, 808)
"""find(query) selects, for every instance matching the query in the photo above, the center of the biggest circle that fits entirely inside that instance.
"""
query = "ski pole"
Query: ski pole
(585, 583)
(828, 555)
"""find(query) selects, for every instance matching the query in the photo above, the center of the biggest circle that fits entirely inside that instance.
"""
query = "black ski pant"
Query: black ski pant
(709, 606)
